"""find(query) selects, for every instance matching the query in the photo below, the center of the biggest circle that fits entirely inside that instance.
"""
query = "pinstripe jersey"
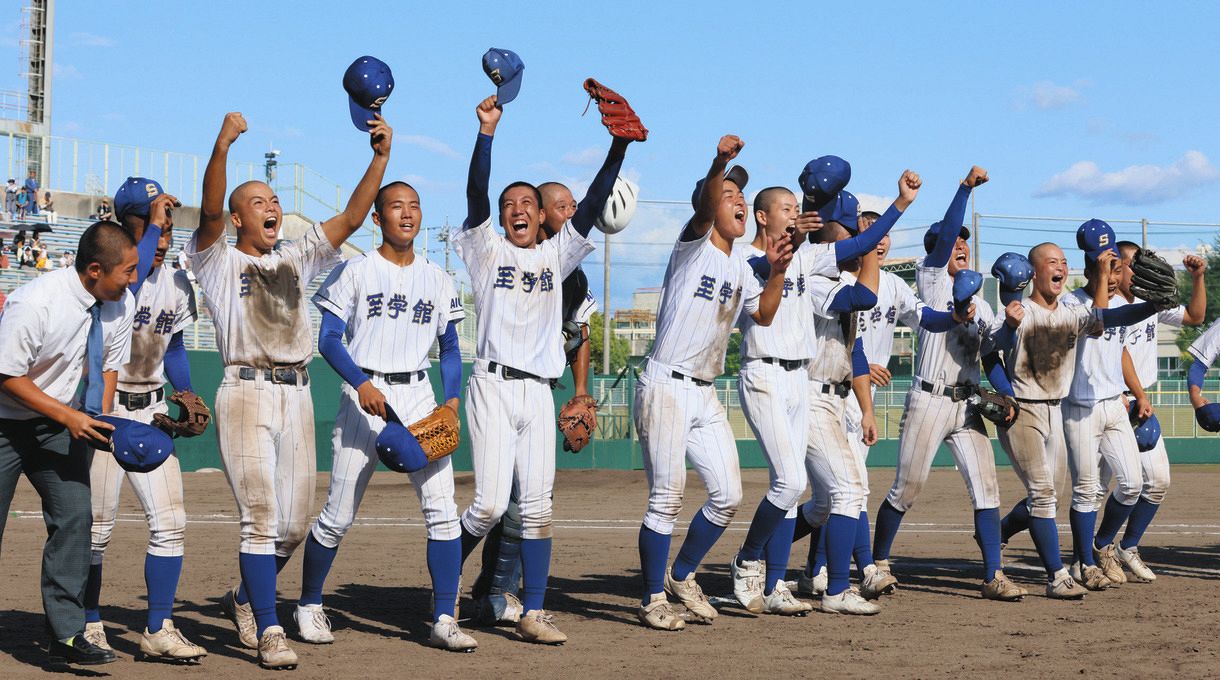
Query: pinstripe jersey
(950, 358)
(164, 306)
(703, 293)
(1142, 340)
(393, 313)
(1042, 361)
(834, 332)
(258, 303)
(518, 297)
(788, 336)
(875, 327)
(1206, 347)
(1099, 360)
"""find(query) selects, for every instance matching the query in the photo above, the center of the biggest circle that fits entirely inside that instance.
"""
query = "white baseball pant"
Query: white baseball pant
(1099, 430)
(1035, 445)
(1154, 464)
(837, 475)
(776, 405)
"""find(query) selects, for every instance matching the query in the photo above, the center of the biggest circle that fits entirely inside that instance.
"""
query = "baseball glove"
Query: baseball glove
(577, 420)
(193, 416)
(1154, 280)
(994, 406)
(438, 432)
(617, 114)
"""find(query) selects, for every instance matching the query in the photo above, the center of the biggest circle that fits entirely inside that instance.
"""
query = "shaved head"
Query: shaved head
(105, 243)
(550, 191)
(1127, 249)
(1037, 252)
(240, 192)
(765, 198)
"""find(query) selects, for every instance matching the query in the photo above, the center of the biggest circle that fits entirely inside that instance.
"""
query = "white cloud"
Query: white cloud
(65, 71)
(91, 39)
(1048, 96)
(1135, 184)
(427, 184)
(590, 156)
(431, 144)
(873, 202)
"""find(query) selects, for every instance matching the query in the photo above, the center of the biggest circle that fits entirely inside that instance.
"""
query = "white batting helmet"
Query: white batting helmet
(620, 207)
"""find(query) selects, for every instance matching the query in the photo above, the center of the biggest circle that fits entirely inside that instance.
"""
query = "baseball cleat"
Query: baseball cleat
(848, 602)
(274, 652)
(781, 601)
(538, 626)
(169, 645)
(1063, 587)
(95, 633)
(659, 614)
(810, 586)
(313, 625)
(447, 635)
(690, 595)
(242, 617)
(498, 609)
(1108, 561)
(748, 586)
(1090, 576)
(1131, 560)
(877, 581)
(1002, 589)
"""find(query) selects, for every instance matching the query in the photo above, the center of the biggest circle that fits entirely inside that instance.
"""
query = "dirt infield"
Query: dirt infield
(935, 626)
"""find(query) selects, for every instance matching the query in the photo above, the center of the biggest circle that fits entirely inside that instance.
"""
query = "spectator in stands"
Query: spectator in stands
(31, 189)
(68, 259)
(5, 251)
(40, 261)
(40, 250)
(48, 207)
(26, 258)
(104, 212)
(19, 240)
(3, 299)
(10, 199)
(23, 201)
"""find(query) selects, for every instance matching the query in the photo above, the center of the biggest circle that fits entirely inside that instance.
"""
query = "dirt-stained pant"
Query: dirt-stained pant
(1035, 445)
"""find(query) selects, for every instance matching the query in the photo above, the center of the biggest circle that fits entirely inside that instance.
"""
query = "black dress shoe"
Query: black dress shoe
(80, 651)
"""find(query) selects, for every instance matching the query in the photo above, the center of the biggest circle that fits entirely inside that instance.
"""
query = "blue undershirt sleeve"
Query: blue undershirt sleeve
(478, 204)
(451, 363)
(997, 373)
(935, 320)
(146, 249)
(177, 368)
(851, 248)
(859, 361)
(1197, 371)
(331, 347)
(1127, 314)
(853, 298)
(949, 228)
(595, 198)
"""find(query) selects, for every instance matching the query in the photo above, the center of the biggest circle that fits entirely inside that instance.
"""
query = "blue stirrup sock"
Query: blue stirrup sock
(535, 569)
(243, 597)
(161, 578)
(840, 532)
(777, 551)
(700, 538)
(1137, 523)
(766, 518)
(445, 568)
(1116, 514)
(817, 556)
(862, 551)
(258, 574)
(889, 519)
(654, 558)
(1046, 541)
(987, 534)
(318, 560)
(1083, 525)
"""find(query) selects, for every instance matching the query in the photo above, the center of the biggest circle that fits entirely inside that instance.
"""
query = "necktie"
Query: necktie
(93, 356)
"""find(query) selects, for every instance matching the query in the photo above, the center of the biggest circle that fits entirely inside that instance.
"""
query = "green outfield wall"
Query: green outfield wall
(620, 453)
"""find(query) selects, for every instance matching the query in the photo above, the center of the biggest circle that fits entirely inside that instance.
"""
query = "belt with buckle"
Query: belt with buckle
(1052, 402)
(397, 378)
(682, 376)
(840, 390)
(510, 373)
(954, 392)
(786, 364)
(283, 375)
(134, 401)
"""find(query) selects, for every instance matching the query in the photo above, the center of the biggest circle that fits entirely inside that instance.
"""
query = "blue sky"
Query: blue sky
(1076, 109)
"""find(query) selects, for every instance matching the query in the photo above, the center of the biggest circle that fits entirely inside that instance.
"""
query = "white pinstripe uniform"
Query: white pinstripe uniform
(1042, 364)
(945, 361)
(165, 305)
(265, 428)
(519, 302)
(679, 419)
(1094, 419)
(835, 468)
(1142, 345)
(1206, 347)
(394, 315)
(775, 397)
(875, 329)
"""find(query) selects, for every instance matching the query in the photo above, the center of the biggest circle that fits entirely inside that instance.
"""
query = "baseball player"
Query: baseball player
(946, 374)
(165, 306)
(390, 306)
(53, 329)
(255, 293)
(677, 414)
(1040, 344)
(774, 391)
(1140, 375)
(1204, 350)
(519, 354)
(495, 590)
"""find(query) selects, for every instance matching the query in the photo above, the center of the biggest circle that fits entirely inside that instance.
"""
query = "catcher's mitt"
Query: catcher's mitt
(577, 420)
(193, 416)
(994, 406)
(617, 114)
(438, 432)
(1154, 280)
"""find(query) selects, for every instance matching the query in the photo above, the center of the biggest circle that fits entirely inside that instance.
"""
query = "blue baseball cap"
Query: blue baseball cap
(1096, 236)
(1148, 432)
(368, 82)
(134, 197)
(844, 209)
(397, 448)
(137, 447)
(504, 68)
(736, 174)
(822, 178)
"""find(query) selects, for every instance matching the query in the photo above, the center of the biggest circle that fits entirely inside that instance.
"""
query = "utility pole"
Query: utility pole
(444, 238)
(1143, 232)
(606, 304)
